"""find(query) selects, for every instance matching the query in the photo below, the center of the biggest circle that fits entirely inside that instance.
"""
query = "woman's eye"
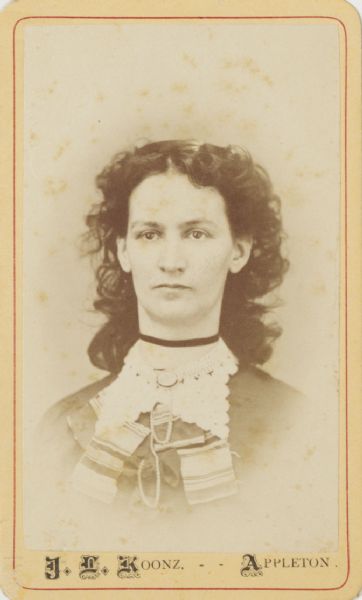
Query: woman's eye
(149, 235)
(197, 234)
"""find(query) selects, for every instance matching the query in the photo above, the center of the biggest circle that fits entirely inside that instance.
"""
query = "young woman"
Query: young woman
(185, 429)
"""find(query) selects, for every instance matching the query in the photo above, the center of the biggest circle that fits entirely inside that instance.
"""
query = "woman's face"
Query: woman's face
(179, 249)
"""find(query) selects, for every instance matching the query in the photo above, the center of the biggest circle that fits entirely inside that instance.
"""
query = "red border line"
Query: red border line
(14, 300)
(15, 290)
(346, 294)
(175, 18)
(216, 589)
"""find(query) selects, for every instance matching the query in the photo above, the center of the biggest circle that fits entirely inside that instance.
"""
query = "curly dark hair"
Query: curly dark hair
(252, 208)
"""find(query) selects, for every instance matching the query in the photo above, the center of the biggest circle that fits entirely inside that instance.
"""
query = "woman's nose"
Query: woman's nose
(172, 258)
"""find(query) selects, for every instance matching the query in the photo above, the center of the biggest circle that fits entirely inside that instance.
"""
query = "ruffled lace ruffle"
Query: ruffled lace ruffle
(199, 395)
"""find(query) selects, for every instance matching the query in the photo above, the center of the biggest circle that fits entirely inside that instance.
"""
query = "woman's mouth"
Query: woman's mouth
(173, 286)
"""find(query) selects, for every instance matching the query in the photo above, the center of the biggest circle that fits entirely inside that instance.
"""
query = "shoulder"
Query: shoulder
(260, 403)
(78, 399)
(75, 406)
(255, 384)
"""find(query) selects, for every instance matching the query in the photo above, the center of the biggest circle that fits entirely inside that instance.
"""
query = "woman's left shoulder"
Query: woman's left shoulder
(254, 384)
(260, 402)
(266, 413)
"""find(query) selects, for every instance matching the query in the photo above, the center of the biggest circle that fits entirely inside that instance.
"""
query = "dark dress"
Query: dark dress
(272, 439)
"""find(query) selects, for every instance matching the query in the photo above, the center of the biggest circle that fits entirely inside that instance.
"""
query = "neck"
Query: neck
(201, 326)
(169, 357)
(166, 357)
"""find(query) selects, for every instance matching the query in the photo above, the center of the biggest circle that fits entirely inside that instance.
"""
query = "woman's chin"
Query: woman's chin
(175, 313)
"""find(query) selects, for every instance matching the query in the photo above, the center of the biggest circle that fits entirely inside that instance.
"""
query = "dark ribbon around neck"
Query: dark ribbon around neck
(180, 343)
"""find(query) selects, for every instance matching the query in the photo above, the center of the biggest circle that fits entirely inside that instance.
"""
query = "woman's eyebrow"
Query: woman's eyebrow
(136, 224)
(155, 224)
(198, 222)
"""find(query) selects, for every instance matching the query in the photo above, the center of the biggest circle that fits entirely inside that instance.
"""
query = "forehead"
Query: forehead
(172, 196)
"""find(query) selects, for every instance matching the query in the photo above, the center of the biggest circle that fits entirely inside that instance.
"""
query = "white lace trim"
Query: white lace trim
(199, 396)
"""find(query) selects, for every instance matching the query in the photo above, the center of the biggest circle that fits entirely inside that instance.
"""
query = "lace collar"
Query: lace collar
(195, 392)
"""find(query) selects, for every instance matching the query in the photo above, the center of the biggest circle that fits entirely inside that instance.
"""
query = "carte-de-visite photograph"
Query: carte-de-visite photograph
(181, 284)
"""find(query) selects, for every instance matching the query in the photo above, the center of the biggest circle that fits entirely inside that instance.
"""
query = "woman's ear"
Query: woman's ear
(241, 253)
(123, 255)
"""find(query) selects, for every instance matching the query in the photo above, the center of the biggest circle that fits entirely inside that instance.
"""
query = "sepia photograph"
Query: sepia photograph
(181, 286)
(180, 331)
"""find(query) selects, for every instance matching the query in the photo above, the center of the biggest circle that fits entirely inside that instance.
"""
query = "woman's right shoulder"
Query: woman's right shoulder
(72, 404)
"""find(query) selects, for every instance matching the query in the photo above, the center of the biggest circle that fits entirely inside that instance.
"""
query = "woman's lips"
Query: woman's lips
(173, 286)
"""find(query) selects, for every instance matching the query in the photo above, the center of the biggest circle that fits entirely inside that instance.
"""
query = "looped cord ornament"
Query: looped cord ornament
(153, 503)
